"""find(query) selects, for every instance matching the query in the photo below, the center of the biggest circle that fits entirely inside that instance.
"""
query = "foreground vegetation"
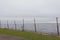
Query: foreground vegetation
(28, 35)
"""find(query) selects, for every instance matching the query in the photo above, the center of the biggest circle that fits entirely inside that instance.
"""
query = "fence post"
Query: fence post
(35, 25)
(57, 26)
(7, 24)
(0, 23)
(15, 25)
(23, 26)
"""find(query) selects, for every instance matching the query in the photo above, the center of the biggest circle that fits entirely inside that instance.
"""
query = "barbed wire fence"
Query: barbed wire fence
(35, 25)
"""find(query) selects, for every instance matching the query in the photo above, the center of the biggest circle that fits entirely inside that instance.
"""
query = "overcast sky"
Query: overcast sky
(29, 8)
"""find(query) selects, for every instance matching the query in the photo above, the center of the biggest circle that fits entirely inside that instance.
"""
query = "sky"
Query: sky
(30, 8)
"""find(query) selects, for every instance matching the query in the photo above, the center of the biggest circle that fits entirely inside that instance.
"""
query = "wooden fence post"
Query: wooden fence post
(0, 23)
(35, 25)
(7, 24)
(23, 25)
(57, 26)
(15, 25)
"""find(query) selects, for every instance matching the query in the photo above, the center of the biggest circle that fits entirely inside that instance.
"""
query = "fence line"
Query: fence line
(35, 27)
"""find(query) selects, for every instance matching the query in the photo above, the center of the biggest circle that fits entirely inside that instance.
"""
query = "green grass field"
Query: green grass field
(28, 35)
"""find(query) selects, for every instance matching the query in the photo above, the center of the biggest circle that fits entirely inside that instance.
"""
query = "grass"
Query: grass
(28, 35)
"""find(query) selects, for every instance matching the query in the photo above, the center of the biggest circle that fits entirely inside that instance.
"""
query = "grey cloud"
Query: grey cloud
(28, 8)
